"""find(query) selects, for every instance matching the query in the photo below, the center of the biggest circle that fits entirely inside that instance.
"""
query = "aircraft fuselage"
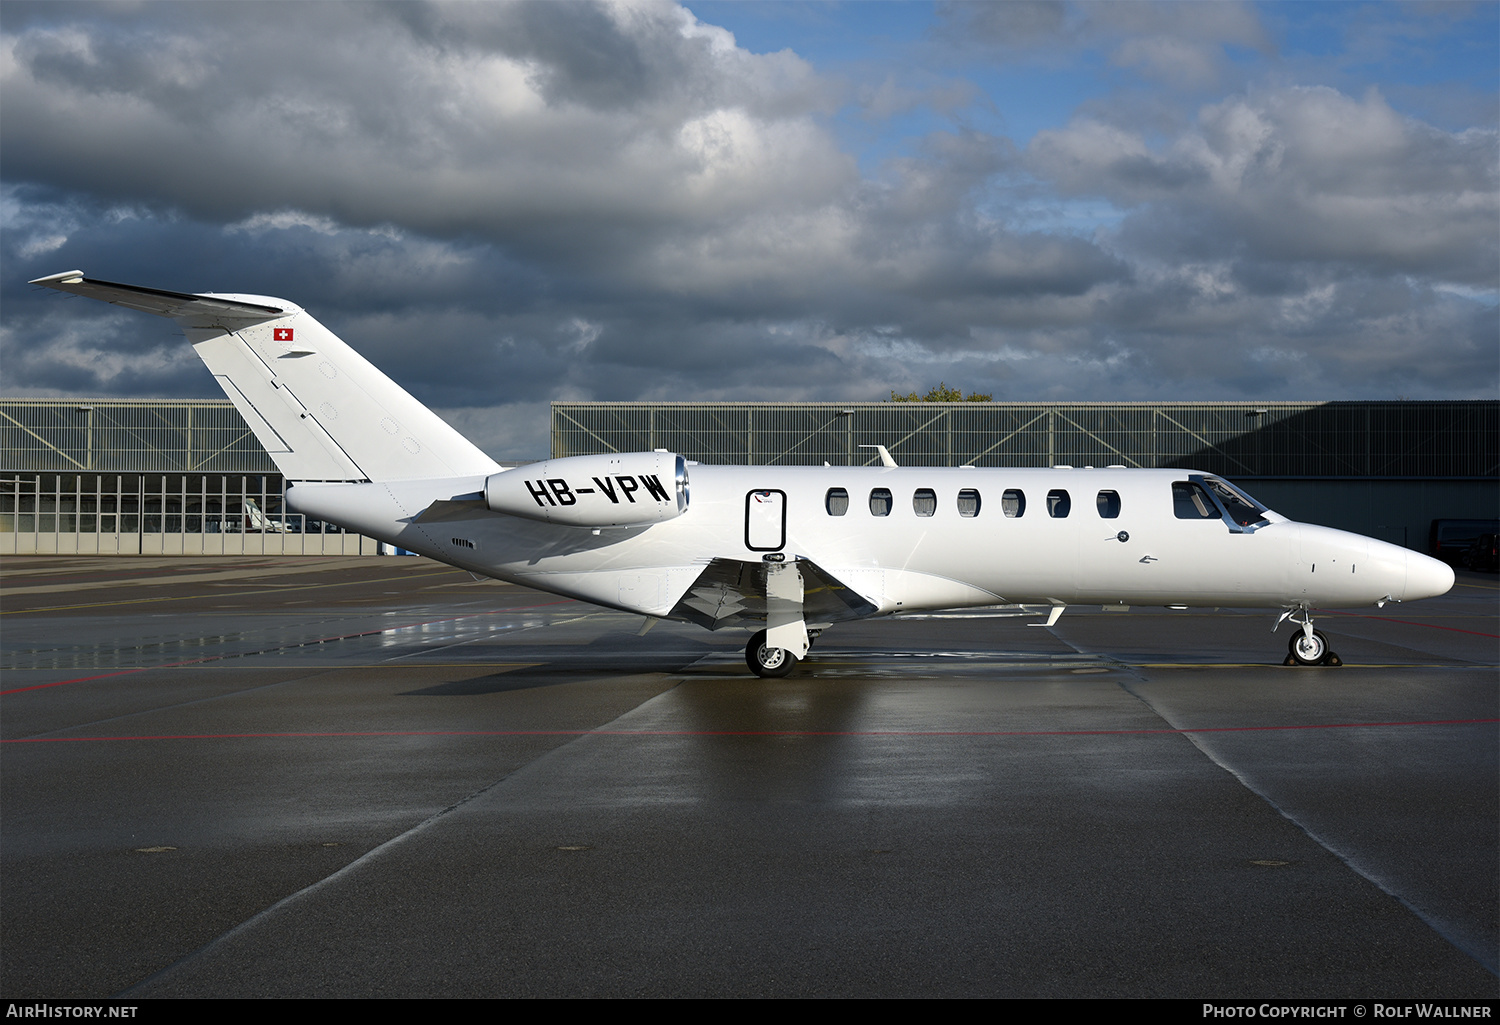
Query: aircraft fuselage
(904, 541)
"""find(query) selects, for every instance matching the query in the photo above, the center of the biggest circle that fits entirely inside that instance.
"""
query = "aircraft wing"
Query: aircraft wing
(733, 593)
(185, 307)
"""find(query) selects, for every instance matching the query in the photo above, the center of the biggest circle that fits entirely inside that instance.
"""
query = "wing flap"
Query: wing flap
(730, 592)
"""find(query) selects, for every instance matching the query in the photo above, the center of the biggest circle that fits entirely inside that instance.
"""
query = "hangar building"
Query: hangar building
(188, 477)
(106, 477)
(1383, 469)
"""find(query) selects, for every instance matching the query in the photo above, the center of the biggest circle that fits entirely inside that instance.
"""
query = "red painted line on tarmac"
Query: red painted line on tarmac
(1407, 622)
(81, 679)
(744, 733)
(281, 647)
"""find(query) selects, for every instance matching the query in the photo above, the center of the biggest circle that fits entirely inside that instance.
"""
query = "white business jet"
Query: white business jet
(784, 551)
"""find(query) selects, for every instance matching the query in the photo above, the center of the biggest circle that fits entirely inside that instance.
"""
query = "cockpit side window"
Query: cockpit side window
(1191, 502)
(1244, 510)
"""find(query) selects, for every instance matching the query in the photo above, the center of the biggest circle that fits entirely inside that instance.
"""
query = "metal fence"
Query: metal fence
(1286, 439)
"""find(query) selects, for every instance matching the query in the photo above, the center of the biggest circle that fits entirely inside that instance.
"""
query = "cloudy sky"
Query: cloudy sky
(505, 204)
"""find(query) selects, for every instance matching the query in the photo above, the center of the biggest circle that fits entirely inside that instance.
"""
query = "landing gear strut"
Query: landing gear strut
(1308, 647)
(764, 661)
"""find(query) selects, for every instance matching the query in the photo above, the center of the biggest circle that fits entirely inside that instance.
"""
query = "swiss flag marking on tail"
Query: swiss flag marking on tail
(283, 334)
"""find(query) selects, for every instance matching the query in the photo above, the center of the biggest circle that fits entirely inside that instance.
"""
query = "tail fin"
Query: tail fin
(322, 411)
(257, 520)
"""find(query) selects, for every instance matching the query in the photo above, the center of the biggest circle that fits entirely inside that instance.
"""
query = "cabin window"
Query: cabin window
(1013, 503)
(836, 501)
(968, 502)
(1058, 503)
(880, 502)
(924, 502)
(1109, 505)
(1191, 502)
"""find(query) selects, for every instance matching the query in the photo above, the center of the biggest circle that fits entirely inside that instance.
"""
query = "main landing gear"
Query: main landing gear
(764, 661)
(772, 662)
(1308, 647)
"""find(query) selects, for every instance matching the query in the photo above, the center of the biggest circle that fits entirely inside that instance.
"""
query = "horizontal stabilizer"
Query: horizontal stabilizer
(207, 310)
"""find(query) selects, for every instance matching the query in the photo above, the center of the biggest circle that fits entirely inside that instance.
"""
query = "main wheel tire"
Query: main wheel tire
(764, 661)
(1308, 651)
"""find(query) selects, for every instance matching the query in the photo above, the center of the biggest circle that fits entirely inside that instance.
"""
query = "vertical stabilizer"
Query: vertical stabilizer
(320, 409)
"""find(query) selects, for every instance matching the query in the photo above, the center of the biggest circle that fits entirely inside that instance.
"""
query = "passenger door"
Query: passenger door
(765, 521)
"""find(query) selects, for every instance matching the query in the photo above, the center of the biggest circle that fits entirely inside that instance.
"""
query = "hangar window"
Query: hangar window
(968, 502)
(924, 502)
(836, 501)
(1191, 502)
(1058, 503)
(880, 502)
(1013, 503)
(1109, 505)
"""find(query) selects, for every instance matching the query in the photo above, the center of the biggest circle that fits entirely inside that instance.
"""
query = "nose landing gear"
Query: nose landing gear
(1308, 647)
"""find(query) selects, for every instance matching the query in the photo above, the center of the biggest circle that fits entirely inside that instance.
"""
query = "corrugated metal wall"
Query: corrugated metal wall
(113, 436)
(1288, 439)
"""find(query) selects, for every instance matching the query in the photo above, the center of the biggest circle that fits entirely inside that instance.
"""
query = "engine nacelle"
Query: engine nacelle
(617, 490)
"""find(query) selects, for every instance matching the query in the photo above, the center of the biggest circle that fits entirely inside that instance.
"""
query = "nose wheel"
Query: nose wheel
(1308, 650)
(1308, 647)
(766, 661)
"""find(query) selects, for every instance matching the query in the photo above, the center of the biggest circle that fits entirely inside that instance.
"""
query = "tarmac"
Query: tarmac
(375, 777)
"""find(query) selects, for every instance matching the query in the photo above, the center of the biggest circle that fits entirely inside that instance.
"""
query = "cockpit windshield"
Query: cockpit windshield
(1242, 509)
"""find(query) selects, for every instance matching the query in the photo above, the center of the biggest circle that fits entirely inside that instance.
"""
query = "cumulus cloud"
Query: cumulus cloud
(1296, 174)
(1182, 44)
(503, 204)
(446, 120)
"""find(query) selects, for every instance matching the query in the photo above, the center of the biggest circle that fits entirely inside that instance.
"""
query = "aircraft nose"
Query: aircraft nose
(1426, 577)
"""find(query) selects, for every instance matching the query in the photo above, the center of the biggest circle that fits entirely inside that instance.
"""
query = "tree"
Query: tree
(942, 393)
